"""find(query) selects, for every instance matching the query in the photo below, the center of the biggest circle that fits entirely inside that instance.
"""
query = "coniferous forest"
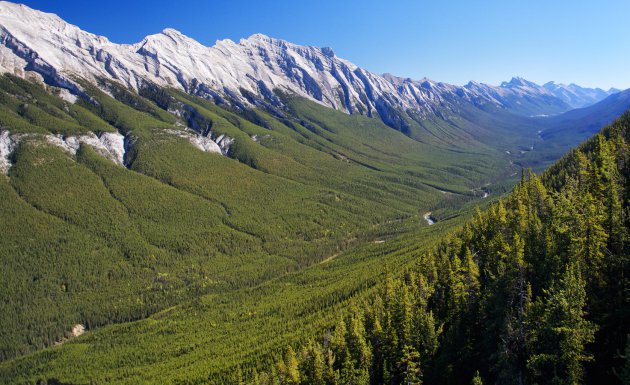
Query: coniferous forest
(261, 212)
(534, 290)
(166, 267)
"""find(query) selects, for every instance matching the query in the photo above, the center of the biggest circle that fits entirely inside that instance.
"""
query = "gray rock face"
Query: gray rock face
(231, 72)
(7, 145)
(109, 145)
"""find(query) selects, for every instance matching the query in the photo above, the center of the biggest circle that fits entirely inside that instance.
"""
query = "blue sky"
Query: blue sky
(585, 42)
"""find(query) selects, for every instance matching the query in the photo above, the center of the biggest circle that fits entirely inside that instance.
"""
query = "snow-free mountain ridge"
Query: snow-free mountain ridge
(242, 74)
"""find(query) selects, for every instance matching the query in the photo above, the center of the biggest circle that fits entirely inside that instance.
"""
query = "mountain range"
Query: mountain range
(262, 212)
(250, 72)
(576, 96)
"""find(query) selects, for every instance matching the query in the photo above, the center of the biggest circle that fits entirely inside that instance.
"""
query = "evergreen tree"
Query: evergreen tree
(338, 340)
(476, 379)
(357, 345)
(427, 334)
(292, 372)
(470, 271)
(377, 349)
(312, 364)
(410, 366)
(238, 376)
(348, 373)
(318, 366)
(331, 376)
(563, 332)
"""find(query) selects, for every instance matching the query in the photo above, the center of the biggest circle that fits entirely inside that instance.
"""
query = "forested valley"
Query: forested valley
(533, 290)
(178, 207)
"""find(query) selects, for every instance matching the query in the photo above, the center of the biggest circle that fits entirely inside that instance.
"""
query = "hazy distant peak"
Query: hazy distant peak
(518, 81)
(577, 96)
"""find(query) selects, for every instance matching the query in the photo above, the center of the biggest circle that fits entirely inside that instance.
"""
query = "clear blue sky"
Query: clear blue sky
(585, 42)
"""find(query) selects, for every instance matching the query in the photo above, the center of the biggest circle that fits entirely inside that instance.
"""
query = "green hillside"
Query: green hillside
(90, 242)
(187, 266)
(533, 290)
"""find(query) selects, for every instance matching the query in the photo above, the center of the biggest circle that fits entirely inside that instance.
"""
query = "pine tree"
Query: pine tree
(427, 334)
(476, 380)
(391, 351)
(410, 366)
(257, 379)
(292, 372)
(275, 374)
(512, 354)
(357, 345)
(387, 375)
(470, 271)
(238, 376)
(318, 366)
(563, 332)
(312, 364)
(592, 240)
(403, 314)
(377, 349)
(614, 216)
(579, 222)
(331, 376)
(338, 340)
(348, 373)
(281, 372)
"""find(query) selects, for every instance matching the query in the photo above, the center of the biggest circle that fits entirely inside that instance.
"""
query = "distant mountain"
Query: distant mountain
(244, 74)
(195, 210)
(589, 120)
(521, 97)
(576, 96)
(560, 133)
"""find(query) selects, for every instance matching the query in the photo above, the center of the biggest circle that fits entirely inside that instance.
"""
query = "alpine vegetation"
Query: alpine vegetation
(262, 212)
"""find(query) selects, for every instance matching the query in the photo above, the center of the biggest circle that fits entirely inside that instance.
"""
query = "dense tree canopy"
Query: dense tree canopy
(534, 290)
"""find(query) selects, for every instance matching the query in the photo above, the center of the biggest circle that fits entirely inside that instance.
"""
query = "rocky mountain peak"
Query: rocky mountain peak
(43, 43)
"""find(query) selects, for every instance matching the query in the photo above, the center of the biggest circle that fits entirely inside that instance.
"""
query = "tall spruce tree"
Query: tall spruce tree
(562, 333)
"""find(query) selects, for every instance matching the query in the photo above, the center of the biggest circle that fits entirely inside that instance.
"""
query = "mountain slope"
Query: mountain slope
(231, 73)
(559, 134)
(177, 219)
(576, 96)
(199, 208)
(506, 298)
(427, 304)
(521, 97)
